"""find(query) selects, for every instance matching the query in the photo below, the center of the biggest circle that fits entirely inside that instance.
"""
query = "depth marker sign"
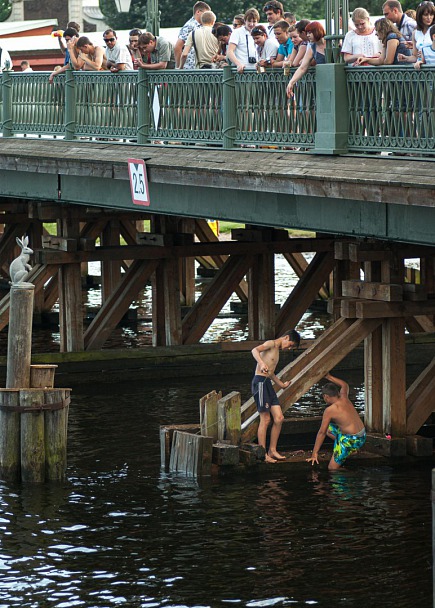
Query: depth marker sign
(138, 182)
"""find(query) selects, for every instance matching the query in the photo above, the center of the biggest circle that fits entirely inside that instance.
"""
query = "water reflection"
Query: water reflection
(119, 531)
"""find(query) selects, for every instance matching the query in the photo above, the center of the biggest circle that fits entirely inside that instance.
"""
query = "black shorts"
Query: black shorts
(264, 393)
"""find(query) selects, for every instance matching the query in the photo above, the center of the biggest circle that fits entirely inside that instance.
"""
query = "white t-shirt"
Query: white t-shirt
(245, 46)
(270, 49)
(119, 54)
(356, 44)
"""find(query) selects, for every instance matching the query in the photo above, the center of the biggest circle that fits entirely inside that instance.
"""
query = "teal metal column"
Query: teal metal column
(7, 103)
(332, 110)
(143, 108)
(70, 105)
(229, 108)
(336, 25)
(153, 17)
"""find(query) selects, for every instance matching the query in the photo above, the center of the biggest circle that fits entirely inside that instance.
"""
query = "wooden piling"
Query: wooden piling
(55, 433)
(20, 335)
(9, 435)
(42, 376)
(229, 417)
(208, 416)
(32, 436)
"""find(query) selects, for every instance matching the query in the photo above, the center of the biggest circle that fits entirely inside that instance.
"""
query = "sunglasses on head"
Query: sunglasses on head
(269, 7)
(109, 39)
(425, 3)
(258, 30)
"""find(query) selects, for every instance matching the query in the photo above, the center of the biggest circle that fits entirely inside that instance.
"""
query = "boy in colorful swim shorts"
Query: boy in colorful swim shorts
(341, 422)
(267, 357)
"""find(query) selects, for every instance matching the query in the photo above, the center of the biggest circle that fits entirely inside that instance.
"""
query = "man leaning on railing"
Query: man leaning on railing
(157, 53)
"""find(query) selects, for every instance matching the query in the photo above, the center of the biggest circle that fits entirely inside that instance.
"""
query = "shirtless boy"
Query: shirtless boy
(341, 422)
(267, 357)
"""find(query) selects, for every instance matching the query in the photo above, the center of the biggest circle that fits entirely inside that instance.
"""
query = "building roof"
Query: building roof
(16, 28)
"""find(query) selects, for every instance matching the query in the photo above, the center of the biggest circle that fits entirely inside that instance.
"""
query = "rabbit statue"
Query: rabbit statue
(19, 268)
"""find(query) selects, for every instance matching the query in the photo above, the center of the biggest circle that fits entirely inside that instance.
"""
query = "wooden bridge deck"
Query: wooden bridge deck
(384, 197)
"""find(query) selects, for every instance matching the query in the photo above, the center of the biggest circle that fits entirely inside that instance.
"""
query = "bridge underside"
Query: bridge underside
(382, 197)
(367, 224)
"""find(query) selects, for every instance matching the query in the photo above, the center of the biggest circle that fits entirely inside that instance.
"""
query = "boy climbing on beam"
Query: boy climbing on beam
(341, 422)
(267, 357)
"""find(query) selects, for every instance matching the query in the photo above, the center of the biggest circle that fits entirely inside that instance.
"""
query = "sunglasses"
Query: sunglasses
(109, 39)
(269, 7)
(258, 30)
(425, 3)
(237, 24)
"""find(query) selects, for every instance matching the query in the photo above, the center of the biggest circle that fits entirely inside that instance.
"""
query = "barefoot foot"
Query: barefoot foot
(276, 456)
(269, 458)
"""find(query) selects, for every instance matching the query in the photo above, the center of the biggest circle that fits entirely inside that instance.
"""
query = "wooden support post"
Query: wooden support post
(35, 238)
(55, 434)
(158, 307)
(229, 418)
(208, 414)
(70, 295)
(266, 297)
(373, 381)
(172, 297)
(187, 268)
(10, 461)
(394, 377)
(254, 287)
(20, 335)
(191, 454)
(32, 436)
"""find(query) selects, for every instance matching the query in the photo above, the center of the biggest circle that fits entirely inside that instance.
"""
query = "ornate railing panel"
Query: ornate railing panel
(186, 105)
(106, 104)
(37, 105)
(266, 115)
(392, 109)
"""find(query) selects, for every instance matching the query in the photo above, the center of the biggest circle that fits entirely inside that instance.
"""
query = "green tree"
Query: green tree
(5, 9)
(174, 13)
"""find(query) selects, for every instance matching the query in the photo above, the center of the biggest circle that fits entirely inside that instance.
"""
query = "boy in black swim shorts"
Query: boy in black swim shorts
(267, 357)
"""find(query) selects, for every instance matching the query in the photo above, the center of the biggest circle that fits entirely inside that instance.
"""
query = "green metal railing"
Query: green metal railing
(335, 109)
(210, 107)
(391, 109)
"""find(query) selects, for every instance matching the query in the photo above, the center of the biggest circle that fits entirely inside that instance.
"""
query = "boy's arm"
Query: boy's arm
(344, 387)
(279, 382)
(327, 415)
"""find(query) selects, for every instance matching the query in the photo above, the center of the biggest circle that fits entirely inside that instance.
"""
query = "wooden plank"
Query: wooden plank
(299, 264)
(166, 437)
(207, 307)
(305, 291)
(377, 310)
(59, 243)
(118, 303)
(172, 309)
(419, 399)
(191, 454)
(266, 297)
(229, 417)
(372, 291)
(394, 377)
(208, 415)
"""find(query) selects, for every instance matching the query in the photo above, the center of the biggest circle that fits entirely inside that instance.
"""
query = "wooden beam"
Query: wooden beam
(299, 264)
(200, 317)
(131, 252)
(117, 304)
(420, 401)
(372, 291)
(371, 310)
(304, 292)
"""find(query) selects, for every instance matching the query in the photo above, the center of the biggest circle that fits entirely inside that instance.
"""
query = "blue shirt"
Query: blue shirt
(67, 57)
(286, 49)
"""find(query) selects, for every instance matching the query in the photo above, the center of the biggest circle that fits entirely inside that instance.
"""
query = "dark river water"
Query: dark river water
(120, 532)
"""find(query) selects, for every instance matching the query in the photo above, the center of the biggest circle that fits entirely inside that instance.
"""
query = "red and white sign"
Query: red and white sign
(138, 181)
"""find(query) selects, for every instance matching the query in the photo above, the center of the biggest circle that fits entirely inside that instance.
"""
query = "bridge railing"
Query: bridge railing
(335, 109)
(391, 109)
(213, 107)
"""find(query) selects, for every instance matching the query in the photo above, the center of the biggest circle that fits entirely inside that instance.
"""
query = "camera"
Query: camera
(252, 59)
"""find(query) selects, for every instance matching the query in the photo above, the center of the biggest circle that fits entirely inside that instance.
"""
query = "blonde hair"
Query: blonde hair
(360, 13)
(384, 27)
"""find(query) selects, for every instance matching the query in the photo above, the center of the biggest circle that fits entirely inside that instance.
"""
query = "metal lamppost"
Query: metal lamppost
(123, 6)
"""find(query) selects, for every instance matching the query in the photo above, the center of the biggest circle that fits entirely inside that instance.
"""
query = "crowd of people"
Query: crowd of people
(398, 38)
